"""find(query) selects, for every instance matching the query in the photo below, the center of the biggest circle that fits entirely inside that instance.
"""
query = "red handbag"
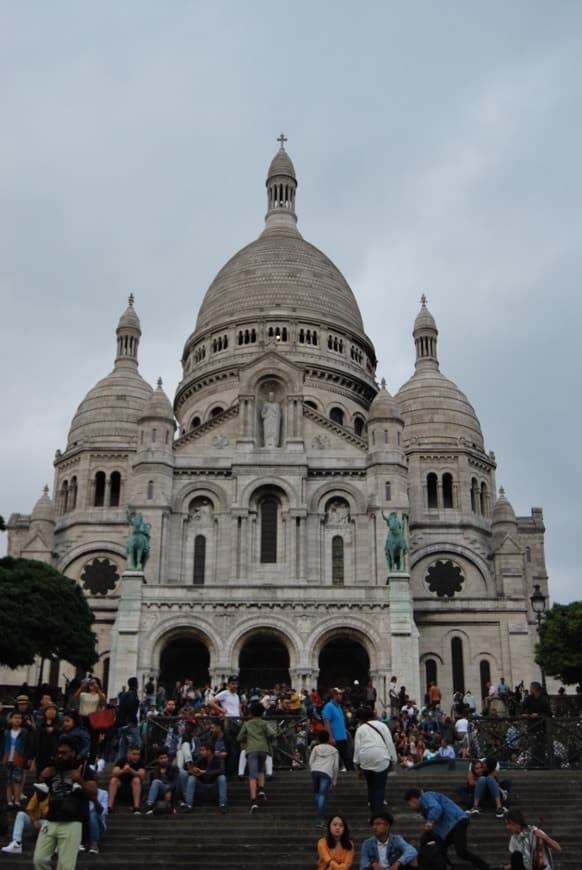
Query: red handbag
(102, 720)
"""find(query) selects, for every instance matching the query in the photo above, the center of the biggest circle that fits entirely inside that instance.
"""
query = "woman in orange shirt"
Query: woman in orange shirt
(335, 851)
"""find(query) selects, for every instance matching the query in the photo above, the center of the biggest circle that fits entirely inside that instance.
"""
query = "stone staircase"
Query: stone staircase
(283, 835)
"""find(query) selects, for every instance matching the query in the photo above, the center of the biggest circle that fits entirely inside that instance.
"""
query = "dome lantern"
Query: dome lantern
(281, 189)
(425, 337)
(128, 334)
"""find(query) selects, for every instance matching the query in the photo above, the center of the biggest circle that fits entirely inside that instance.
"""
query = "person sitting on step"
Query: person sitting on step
(206, 780)
(127, 778)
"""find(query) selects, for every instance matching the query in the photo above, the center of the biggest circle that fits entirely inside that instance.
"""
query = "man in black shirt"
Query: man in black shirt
(536, 708)
(127, 712)
(127, 779)
(71, 787)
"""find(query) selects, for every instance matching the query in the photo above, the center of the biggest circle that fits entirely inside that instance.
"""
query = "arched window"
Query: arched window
(447, 490)
(65, 496)
(337, 415)
(195, 423)
(115, 489)
(150, 490)
(483, 499)
(99, 496)
(337, 560)
(358, 425)
(311, 404)
(457, 665)
(73, 494)
(431, 490)
(484, 676)
(388, 491)
(474, 495)
(430, 667)
(528, 554)
(269, 512)
(199, 559)
(215, 411)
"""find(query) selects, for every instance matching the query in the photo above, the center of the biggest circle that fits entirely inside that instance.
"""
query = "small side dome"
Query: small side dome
(384, 406)
(503, 513)
(158, 406)
(44, 509)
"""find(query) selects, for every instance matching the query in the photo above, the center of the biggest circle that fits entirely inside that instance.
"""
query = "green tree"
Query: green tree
(559, 651)
(43, 613)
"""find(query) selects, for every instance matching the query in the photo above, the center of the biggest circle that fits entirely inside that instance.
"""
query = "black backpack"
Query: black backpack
(431, 853)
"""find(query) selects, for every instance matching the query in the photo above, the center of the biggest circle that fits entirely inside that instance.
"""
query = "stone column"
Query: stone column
(125, 633)
(404, 646)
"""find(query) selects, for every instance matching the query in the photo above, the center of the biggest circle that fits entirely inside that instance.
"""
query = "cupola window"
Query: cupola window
(99, 489)
(447, 490)
(115, 489)
(337, 560)
(199, 560)
(431, 490)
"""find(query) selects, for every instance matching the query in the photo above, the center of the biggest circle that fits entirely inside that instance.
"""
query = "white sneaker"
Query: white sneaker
(13, 848)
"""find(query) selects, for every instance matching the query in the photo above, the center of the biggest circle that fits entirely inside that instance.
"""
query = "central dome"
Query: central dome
(280, 273)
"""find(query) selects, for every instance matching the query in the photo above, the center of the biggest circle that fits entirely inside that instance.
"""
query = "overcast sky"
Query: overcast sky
(438, 149)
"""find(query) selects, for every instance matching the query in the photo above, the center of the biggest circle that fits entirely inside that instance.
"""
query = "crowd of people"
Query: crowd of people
(171, 751)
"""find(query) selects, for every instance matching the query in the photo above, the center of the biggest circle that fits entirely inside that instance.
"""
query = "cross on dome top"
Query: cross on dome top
(423, 300)
(282, 139)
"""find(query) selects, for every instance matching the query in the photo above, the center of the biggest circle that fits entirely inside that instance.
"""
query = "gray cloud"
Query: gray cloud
(437, 147)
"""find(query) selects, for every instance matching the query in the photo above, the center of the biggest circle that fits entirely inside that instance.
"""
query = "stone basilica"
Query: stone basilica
(267, 486)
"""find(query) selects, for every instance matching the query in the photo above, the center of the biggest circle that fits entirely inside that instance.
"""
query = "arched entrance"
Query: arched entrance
(263, 661)
(184, 657)
(341, 661)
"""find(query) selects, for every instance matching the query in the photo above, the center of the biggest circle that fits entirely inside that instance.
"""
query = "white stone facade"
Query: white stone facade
(285, 543)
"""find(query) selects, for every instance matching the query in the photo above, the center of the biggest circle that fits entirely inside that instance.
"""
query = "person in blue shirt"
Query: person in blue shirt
(385, 849)
(447, 820)
(335, 724)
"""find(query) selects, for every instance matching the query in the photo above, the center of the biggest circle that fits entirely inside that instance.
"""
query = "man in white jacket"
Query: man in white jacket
(374, 753)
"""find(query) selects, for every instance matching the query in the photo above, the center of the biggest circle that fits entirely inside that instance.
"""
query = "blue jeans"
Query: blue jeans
(376, 782)
(22, 823)
(97, 825)
(206, 790)
(321, 786)
(486, 784)
(158, 791)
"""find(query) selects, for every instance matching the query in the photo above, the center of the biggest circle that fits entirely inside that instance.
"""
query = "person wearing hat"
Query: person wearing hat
(24, 707)
(29, 820)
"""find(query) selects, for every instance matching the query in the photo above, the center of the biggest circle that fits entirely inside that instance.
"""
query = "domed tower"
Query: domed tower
(450, 472)
(93, 470)
(503, 520)
(283, 298)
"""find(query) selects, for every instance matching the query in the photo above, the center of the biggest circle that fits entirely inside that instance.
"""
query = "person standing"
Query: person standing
(227, 703)
(71, 787)
(324, 766)
(447, 820)
(335, 724)
(374, 753)
(127, 714)
(255, 737)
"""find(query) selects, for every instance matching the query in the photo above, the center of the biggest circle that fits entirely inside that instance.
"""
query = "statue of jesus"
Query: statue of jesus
(271, 417)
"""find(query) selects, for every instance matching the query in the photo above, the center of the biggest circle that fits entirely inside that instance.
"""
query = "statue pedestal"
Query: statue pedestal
(125, 633)
(404, 648)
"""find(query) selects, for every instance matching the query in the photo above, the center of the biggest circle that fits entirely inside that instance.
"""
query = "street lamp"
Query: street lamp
(538, 605)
